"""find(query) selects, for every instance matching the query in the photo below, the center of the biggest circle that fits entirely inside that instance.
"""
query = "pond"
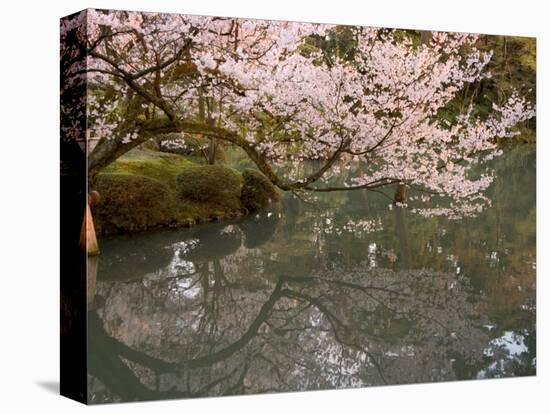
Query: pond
(296, 299)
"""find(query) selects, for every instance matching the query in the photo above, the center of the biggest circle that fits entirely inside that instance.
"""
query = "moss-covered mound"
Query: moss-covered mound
(146, 188)
(257, 192)
(210, 183)
(132, 203)
(153, 164)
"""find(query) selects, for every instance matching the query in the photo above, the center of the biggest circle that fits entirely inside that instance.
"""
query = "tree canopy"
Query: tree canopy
(286, 92)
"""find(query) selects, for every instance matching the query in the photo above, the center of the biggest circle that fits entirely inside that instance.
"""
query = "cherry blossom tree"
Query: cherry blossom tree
(274, 93)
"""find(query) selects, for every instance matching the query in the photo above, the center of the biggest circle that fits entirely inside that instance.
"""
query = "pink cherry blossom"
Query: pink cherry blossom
(378, 109)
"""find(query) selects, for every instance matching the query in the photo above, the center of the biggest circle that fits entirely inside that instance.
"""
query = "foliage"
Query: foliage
(132, 203)
(513, 69)
(210, 183)
(206, 193)
(210, 205)
(257, 191)
(266, 87)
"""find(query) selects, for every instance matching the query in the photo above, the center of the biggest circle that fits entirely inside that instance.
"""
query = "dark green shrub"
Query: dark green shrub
(210, 183)
(257, 192)
(131, 203)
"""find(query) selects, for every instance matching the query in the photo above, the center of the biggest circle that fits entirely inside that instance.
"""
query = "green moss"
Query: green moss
(132, 203)
(257, 192)
(211, 184)
(152, 164)
(209, 203)
(147, 188)
(190, 212)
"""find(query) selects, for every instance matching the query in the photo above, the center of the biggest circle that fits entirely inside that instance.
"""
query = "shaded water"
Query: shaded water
(292, 300)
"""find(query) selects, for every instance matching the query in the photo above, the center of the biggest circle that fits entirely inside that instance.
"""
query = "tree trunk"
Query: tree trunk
(425, 37)
(212, 147)
(400, 195)
(205, 115)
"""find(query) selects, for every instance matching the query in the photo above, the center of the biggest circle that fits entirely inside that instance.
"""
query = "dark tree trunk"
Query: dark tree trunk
(212, 148)
(400, 195)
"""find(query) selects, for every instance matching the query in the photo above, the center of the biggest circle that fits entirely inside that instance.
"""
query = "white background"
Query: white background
(29, 205)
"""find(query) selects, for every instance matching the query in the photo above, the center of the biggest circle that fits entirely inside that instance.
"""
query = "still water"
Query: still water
(292, 299)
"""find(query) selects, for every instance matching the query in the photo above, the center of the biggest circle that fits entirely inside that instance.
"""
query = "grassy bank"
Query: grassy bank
(146, 189)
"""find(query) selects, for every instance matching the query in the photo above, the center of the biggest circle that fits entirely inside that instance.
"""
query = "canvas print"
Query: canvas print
(254, 206)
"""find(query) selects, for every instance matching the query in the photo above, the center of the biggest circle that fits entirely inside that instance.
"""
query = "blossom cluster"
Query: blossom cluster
(285, 102)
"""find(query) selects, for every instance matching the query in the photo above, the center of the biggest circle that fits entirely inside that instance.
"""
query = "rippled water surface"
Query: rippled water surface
(293, 299)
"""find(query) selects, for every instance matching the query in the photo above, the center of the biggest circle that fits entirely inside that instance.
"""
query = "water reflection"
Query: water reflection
(291, 299)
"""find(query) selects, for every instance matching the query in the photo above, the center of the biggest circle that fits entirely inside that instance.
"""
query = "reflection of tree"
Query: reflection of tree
(324, 331)
(258, 229)
(126, 258)
(106, 363)
(233, 310)
(496, 250)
